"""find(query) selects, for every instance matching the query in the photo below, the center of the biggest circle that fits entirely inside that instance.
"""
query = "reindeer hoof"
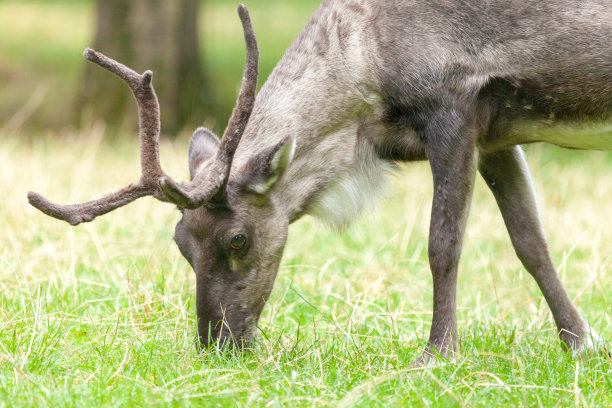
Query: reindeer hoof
(432, 357)
(591, 345)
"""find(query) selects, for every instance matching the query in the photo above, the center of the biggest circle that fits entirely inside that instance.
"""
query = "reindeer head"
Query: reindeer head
(231, 232)
(234, 242)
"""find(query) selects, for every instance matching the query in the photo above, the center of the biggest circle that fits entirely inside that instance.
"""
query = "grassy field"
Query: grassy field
(104, 314)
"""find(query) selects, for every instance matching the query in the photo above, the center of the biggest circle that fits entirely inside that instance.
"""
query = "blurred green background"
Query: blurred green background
(41, 68)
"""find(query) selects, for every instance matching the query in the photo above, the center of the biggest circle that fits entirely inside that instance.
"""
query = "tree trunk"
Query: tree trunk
(160, 35)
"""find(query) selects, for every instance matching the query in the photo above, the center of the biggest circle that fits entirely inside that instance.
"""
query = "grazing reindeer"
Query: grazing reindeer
(369, 82)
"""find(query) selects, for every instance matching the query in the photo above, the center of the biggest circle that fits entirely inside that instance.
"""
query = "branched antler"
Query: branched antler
(153, 180)
(148, 111)
(206, 184)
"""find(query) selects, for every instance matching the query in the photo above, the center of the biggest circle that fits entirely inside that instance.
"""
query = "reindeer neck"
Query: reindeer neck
(315, 96)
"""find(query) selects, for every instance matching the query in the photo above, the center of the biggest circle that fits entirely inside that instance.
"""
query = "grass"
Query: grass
(104, 314)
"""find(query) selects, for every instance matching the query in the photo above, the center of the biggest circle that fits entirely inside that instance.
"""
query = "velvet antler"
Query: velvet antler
(207, 184)
(148, 112)
(154, 182)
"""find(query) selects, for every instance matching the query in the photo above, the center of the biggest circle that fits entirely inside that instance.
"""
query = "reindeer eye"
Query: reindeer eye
(238, 242)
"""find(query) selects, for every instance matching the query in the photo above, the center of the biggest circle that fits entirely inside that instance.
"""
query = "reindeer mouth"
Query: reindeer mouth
(240, 338)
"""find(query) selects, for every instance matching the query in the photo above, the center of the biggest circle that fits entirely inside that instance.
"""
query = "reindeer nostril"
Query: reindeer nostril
(241, 287)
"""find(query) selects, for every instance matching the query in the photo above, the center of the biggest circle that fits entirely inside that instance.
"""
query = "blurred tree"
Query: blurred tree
(160, 35)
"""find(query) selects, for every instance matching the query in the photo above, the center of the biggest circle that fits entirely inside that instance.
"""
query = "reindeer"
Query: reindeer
(366, 84)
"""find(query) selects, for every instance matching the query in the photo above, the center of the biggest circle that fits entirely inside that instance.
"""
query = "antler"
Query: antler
(154, 181)
(148, 112)
(207, 184)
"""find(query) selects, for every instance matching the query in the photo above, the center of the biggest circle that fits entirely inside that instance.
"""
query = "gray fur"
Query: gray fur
(203, 146)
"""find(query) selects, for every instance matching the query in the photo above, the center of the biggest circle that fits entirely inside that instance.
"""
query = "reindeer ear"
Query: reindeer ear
(263, 170)
(203, 146)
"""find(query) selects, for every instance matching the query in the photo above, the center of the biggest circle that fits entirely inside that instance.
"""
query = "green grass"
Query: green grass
(104, 314)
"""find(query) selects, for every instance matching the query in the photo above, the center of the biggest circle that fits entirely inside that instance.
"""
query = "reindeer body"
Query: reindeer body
(368, 83)
(371, 82)
(361, 79)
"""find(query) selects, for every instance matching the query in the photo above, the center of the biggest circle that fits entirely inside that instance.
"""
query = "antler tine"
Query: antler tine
(206, 185)
(75, 214)
(148, 111)
(148, 114)
(246, 97)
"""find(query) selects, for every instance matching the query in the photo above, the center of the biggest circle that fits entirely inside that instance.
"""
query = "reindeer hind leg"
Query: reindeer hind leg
(507, 175)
